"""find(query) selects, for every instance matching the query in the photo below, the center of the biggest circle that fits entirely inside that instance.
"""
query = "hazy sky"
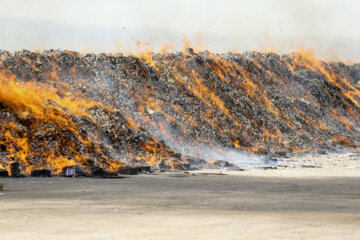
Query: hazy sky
(331, 26)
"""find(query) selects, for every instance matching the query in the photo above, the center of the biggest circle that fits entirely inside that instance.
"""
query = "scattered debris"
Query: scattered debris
(222, 164)
(177, 175)
(322, 152)
(310, 166)
(268, 167)
(208, 174)
(282, 154)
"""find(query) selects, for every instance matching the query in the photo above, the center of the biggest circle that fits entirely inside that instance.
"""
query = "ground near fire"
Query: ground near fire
(220, 144)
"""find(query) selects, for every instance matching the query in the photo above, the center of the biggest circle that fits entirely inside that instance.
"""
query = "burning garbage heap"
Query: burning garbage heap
(107, 112)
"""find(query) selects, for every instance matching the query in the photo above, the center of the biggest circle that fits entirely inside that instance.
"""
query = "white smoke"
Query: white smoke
(194, 148)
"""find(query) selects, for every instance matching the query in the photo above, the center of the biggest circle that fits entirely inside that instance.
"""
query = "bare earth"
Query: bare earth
(289, 203)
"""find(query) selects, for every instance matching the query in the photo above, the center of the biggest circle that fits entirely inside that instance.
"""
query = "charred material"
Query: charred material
(144, 169)
(128, 170)
(4, 173)
(40, 173)
(98, 172)
(15, 169)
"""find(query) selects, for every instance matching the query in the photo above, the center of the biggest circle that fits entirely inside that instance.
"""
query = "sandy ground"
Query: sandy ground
(289, 203)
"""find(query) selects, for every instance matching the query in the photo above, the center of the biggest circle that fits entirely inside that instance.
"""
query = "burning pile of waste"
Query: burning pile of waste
(105, 112)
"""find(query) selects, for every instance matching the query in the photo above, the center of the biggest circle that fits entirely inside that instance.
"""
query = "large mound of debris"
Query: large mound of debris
(172, 110)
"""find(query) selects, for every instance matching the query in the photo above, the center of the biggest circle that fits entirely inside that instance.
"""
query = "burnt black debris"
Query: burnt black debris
(15, 169)
(144, 169)
(98, 172)
(108, 112)
(129, 170)
(40, 173)
(4, 173)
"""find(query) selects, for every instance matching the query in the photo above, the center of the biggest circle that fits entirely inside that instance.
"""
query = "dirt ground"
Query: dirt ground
(299, 203)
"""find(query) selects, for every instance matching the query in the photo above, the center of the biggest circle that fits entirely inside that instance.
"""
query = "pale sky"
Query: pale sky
(330, 26)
